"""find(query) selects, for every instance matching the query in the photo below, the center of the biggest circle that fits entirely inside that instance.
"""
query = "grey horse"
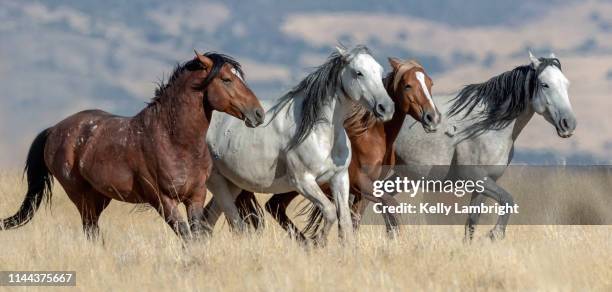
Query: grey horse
(480, 126)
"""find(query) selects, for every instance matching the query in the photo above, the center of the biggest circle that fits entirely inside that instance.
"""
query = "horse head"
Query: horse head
(551, 98)
(361, 79)
(225, 89)
(410, 89)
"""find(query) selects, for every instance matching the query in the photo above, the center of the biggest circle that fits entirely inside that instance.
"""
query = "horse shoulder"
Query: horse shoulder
(320, 155)
(250, 157)
(369, 149)
(490, 148)
(341, 150)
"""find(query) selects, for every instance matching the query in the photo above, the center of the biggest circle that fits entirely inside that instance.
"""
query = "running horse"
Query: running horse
(157, 157)
(480, 125)
(372, 143)
(304, 143)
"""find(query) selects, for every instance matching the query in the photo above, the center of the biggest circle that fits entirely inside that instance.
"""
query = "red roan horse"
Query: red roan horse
(372, 148)
(159, 156)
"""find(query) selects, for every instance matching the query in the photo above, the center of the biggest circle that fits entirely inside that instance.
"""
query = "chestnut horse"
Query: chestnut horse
(372, 143)
(159, 156)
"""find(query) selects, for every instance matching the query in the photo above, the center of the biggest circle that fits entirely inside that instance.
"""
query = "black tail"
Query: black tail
(249, 209)
(314, 221)
(39, 184)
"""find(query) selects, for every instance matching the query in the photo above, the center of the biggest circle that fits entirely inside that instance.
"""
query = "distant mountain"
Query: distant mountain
(58, 57)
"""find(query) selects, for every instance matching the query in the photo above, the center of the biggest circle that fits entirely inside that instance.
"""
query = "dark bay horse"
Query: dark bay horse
(159, 156)
(372, 143)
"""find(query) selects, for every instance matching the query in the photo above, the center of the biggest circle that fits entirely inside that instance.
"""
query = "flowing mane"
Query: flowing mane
(219, 60)
(319, 88)
(393, 78)
(504, 97)
(359, 120)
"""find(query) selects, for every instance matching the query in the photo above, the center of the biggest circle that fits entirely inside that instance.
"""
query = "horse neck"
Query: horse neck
(393, 126)
(336, 110)
(521, 122)
(181, 115)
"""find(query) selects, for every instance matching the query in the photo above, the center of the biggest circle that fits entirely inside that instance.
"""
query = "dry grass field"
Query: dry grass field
(140, 253)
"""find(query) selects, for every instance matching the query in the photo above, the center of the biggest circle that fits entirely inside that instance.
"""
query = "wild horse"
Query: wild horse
(372, 143)
(158, 157)
(303, 145)
(480, 126)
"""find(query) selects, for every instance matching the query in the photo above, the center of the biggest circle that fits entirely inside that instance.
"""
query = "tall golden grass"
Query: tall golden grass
(140, 253)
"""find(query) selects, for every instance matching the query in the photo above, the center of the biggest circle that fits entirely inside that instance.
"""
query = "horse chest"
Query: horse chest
(322, 155)
(180, 171)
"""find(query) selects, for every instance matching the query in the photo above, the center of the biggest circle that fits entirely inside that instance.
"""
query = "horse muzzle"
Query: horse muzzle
(566, 126)
(254, 118)
(384, 112)
(430, 121)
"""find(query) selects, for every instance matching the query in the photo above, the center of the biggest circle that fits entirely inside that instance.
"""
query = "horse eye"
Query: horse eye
(544, 85)
(226, 80)
(408, 87)
(359, 73)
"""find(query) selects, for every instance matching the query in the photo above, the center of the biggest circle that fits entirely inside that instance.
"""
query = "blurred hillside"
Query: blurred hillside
(58, 57)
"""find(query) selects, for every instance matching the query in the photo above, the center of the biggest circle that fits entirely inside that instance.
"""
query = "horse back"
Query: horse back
(93, 149)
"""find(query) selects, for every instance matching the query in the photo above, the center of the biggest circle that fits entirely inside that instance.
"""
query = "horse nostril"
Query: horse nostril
(428, 118)
(381, 109)
(565, 123)
(259, 113)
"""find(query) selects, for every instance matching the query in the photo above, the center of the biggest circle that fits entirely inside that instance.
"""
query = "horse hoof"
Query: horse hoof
(393, 234)
(467, 239)
(318, 242)
(496, 235)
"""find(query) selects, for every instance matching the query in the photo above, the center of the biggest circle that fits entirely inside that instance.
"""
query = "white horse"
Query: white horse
(303, 143)
(482, 122)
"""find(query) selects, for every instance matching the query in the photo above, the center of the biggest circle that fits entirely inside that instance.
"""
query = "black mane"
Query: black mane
(504, 97)
(193, 65)
(319, 88)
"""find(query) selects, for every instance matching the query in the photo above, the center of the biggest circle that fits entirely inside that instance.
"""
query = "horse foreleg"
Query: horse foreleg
(195, 212)
(339, 185)
(503, 198)
(224, 197)
(167, 207)
(277, 207)
(310, 189)
(365, 189)
(472, 221)
(212, 212)
(357, 210)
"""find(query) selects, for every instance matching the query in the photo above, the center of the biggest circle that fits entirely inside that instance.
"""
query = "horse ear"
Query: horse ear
(534, 61)
(341, 50)
(395, 63)
(552, 56)
(206, 61)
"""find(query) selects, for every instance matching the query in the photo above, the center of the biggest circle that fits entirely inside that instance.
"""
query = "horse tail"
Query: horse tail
(249, 209)
(314, 220)
(39, 184)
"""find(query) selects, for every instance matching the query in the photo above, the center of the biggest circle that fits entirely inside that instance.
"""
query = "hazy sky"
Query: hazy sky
(60, 57)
